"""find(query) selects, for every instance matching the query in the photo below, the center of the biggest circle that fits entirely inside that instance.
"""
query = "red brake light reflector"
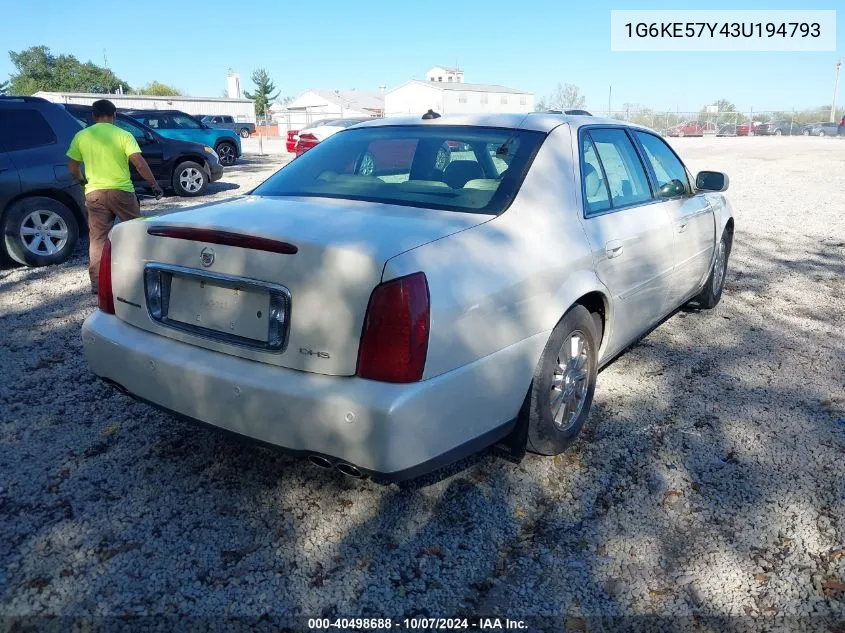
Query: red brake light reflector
(105, 297)
(212, 236)
(394, 341)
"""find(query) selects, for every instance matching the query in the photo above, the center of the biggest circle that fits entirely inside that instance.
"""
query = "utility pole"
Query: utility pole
(609, 93)
(835, 86)
(105, 59)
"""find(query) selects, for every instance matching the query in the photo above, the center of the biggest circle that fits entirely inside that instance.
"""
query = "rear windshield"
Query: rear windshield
(456, 168)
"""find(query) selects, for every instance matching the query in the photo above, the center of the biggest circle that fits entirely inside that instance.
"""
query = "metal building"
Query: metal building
(240, 109)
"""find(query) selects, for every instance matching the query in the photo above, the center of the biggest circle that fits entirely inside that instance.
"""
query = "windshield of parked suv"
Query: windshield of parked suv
(456, 168)
(167, 121)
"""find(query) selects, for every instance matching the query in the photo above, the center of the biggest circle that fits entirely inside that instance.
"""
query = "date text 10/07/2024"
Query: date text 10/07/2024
(411, 624)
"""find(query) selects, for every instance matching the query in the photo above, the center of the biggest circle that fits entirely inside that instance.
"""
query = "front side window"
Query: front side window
(668, 170)
(183, 122)
(24, 129)
(130, 127)
(627, 182)
(438, 167)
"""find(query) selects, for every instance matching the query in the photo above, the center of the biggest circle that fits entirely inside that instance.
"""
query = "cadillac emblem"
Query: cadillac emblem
(207, 256)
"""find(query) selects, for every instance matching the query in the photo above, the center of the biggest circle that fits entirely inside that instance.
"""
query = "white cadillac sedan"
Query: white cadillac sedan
(388, 320)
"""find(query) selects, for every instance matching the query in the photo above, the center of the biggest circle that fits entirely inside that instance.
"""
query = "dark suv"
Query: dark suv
(42, 208)
(184, 166)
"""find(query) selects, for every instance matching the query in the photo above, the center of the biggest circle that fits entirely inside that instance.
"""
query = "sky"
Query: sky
(530, 45)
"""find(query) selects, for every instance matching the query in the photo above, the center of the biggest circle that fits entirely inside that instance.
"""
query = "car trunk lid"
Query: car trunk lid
(284, 281)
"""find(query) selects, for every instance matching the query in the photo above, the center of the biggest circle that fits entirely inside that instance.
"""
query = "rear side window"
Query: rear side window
(668, 170)
(625, 175)
(24, 129)
(595, 185)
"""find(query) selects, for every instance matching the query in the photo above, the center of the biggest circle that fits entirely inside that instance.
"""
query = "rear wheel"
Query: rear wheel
(562, 390)
(227, 153)
(189, 179)
(778, 133)
(40, 231)
(821, 132)
(244, 133)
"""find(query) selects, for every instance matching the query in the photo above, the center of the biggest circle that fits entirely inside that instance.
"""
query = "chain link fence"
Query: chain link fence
(726, 123)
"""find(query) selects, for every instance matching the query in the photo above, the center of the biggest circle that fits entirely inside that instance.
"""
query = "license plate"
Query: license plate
(242, 312)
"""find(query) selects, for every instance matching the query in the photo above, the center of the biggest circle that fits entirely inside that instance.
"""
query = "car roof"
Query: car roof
(537, 121)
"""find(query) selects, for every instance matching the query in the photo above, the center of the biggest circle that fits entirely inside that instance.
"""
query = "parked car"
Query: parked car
(745, 129)
(182, 166)
(820, 129)
(226, 122)
(320, 131)
(728, 129)
(184, 127)
(691, 128)
(42, 207)
(293, 135)
(779, 128)
(387, 324)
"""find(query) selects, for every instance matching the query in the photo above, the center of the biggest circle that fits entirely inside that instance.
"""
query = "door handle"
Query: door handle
(613, 249)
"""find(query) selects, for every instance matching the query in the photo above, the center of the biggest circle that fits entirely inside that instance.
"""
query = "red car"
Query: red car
(691, 128)
(290, 144)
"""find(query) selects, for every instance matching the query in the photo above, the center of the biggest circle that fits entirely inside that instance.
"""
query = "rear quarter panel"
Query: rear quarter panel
(512, 278)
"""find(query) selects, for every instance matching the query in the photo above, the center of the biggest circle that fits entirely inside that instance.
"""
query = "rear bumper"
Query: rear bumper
(391, 431)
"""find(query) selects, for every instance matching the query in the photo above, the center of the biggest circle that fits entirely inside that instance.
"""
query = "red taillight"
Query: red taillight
(394, 342)
(105, 298)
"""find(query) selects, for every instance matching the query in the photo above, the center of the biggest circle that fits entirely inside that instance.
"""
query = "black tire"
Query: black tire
(711, 294)
(778, 133)
(189, 179)
(227, 153)
(545, 436)
(34, 215)
(244, 132)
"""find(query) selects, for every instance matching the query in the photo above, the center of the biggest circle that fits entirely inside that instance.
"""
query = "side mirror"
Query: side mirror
(672, 189)
(711, 181)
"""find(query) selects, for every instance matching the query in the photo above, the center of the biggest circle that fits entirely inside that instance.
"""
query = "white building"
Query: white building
(315, 104)
(449, 74)
(417, 97)
(241, 109)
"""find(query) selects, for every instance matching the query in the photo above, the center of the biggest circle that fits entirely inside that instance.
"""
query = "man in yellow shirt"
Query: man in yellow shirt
(106, 150)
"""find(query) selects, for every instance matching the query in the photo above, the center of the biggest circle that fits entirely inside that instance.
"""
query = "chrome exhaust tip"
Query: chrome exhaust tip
(349, 470)
(320, 462)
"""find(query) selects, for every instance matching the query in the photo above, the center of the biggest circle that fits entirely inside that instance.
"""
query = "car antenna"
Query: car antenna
(431, 114)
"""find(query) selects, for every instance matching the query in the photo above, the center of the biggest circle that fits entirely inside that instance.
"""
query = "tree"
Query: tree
(38, 69)
(4, 88)
(726, 112)
(264, 88)
(158, 88)
(564, 97)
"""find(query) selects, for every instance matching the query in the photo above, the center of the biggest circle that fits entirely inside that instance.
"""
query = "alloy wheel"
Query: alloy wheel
(570, 380)
(191, 179)
(719, 267)
(226, 153)
(44, 232)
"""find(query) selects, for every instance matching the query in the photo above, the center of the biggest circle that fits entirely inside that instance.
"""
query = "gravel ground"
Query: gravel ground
(709, 479)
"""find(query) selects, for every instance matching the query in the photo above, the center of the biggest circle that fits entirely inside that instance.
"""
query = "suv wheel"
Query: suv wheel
(244, 133)
(189, 179)
(40, 231)
(226, 152)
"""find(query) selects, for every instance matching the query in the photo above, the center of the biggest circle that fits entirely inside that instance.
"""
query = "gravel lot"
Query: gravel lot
(709, 479)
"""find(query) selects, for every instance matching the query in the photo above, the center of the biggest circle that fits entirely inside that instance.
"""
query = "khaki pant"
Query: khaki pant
(103, 206)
